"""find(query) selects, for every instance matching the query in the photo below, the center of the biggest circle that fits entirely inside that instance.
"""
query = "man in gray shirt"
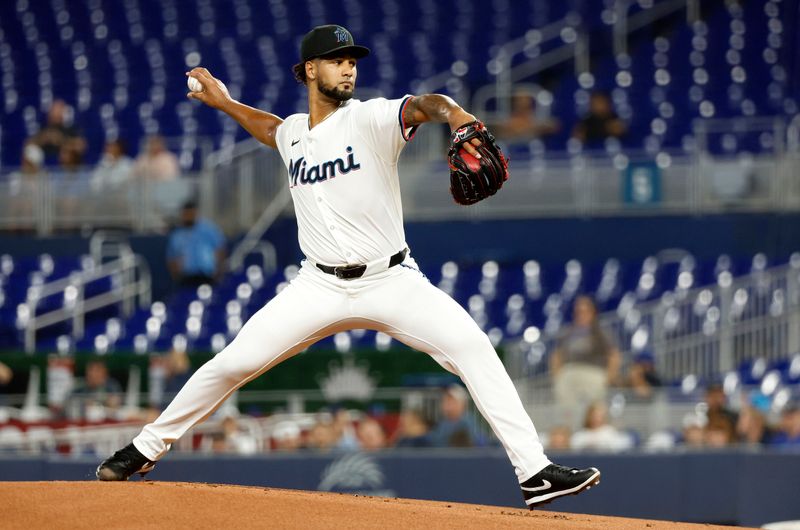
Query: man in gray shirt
(584, 363)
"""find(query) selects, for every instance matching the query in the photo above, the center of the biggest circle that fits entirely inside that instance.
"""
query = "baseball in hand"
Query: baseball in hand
(194, 84)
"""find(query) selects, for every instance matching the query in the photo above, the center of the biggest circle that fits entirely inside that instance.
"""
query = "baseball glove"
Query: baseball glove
(474, 179)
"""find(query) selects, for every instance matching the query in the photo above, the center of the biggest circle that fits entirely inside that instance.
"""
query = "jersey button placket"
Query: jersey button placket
(323, 210)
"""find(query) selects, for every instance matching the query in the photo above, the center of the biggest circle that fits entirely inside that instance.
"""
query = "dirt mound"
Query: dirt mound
(29, 505)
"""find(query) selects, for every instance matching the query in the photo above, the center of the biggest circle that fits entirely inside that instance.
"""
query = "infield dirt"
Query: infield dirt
(79, 505)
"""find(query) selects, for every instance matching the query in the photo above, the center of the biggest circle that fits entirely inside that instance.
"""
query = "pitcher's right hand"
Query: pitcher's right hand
(214, 94)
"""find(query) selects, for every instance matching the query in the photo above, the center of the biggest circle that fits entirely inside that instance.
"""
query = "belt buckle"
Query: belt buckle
(349, 272)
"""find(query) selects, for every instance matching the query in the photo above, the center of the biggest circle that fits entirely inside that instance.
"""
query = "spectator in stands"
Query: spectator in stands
(412, 430)
(718, 433)
(524, 123)
(287, 437)
(236, 440)
(98, 395)
(195, 250)
(23, 186)
(456, 428)
(717, 404)
(788, 432)
(600, 122)
(345, 433)
(156, 163)
(114, 169)
(322, 436)
(179, 370)
(598, 434)
(559, 438)
(751, 427)
(642, 376)
(58, 133)
(217, 444)
(370, 435)
(71, 182)
(693, 435)
(584, 363)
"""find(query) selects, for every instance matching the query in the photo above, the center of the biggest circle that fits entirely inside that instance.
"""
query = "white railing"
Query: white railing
(130, 279)
(665, 410)
(48, 202)
(104, 439)
(702, 332)
(249, 193)
(595, 184)
(711, 330)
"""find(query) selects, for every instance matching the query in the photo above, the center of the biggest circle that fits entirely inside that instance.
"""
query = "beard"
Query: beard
(335, 93)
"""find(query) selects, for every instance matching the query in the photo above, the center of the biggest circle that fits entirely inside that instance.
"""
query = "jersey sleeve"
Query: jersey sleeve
(281, 134)
(280, 137)
(380, 122)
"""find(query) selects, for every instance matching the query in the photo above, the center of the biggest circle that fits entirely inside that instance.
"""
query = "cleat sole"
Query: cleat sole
(583, 488)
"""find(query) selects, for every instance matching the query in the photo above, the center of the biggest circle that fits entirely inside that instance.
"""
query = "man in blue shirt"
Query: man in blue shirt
(456, 428)
(195, 250)
(788, 433)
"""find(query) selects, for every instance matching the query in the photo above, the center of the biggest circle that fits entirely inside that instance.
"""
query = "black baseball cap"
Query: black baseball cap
(329, 39)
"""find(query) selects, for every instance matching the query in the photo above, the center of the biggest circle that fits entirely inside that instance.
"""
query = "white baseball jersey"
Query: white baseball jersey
(344, 183)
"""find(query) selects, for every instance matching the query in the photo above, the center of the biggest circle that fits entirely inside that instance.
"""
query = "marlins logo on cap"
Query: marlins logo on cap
(341, 34)
(328, 40)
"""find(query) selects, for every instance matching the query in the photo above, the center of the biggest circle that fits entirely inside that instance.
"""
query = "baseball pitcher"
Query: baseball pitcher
(341, 160)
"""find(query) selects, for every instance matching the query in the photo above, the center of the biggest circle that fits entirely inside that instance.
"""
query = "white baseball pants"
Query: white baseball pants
(398, 301)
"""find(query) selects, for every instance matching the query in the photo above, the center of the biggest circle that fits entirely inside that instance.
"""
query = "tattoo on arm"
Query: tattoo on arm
(436, 108)
(428, 107)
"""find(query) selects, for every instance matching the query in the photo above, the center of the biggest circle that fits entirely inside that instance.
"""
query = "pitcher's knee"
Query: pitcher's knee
(472, 343)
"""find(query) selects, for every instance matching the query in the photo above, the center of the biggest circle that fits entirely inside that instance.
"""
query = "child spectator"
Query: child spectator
(413, 430)
(598, 434)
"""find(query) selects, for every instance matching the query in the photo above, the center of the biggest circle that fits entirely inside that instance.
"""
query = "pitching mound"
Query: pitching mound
(210, 506)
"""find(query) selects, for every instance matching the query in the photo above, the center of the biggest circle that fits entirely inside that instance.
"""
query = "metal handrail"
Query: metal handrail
(624, 24)
(252, 241)
(129, 267)
(255, 246)
(226, 155)
(108, 244)
(507, 76)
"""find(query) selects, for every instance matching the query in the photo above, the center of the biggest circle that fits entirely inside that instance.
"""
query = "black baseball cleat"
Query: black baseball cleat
(556, 481)
(124, 463)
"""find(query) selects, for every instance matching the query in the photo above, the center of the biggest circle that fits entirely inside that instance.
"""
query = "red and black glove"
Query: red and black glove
(474, 179)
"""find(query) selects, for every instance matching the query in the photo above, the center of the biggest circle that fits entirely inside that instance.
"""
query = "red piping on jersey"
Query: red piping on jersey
(403, 122)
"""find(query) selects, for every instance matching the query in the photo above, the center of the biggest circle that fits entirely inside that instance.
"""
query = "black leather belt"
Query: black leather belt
(349, 272)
